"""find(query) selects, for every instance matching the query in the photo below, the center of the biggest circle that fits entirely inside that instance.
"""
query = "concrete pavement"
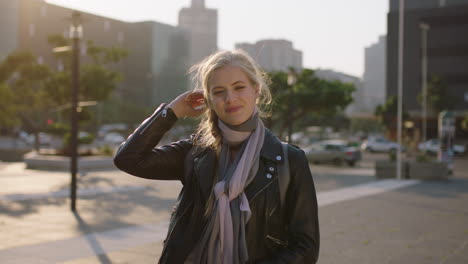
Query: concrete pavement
(123, 219)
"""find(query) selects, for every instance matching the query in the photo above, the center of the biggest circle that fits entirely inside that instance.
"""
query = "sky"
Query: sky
(331, 34)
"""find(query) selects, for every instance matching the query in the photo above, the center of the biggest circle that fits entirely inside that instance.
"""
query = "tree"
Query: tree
(23, 80)
(438, 98)
(309, 96)
(30, 92)
(387, 114)
(464, 123)
(97, 81)
(8, 118)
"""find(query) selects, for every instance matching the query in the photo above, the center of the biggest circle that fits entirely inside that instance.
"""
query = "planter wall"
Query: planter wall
(428, 170)
(49, 162)
(13, 154)
(386, 169)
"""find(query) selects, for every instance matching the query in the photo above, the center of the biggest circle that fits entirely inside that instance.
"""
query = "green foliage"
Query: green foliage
(388, 112)
(58, 129)
(96, 80)
(106, 150)
(31, 92)
(23, 80)
(8, 118)
(438, 98)
(365, 125)
(422, 157)
(309, 96)
(88, 139)
(464, 123)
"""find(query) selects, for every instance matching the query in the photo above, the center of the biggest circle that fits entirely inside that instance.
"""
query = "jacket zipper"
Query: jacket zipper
(261, 190)
(172, 229)
(277, 241)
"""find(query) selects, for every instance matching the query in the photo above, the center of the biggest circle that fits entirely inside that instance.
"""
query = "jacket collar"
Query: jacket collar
(205, 159)
(271, 149)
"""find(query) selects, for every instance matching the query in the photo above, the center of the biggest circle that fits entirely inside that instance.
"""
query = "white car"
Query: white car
(379, 145)
(432, 147)
(114, 138)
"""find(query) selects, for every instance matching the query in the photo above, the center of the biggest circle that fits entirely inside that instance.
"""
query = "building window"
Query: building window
(120, 37)
(32, 30)
(44, 11)
(106, 25)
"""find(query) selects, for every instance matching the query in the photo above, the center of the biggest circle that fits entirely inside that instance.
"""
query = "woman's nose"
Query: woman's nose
(229, 96)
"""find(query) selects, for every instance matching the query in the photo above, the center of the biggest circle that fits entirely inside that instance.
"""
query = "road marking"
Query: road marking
(94, 244)
(361, 190)
(66, 193)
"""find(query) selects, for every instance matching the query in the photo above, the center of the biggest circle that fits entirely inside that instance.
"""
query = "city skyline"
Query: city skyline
(344, 29)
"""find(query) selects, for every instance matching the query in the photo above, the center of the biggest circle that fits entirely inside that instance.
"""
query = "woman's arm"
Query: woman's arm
(139, 156)
(301, 210)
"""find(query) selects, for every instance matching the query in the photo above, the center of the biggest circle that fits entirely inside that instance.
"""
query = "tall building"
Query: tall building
(273, 54)
(8, 27)
(153, 72)
(157, 63)
(447, 52)
(373, 83)
(201, 24)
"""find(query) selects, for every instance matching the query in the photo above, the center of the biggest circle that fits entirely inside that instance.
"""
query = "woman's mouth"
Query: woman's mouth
(233, 109)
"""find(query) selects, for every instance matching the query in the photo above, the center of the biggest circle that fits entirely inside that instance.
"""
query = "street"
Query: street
(123, 219)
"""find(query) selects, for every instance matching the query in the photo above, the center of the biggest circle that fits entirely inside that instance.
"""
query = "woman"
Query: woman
(229, 209)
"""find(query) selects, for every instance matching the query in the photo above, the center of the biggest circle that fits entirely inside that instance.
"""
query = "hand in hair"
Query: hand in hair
(190, 103)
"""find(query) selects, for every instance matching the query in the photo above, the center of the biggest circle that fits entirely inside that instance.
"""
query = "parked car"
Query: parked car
(114, 138)
(432, 146)
(336, 151)
(379, 144)
(44, 138)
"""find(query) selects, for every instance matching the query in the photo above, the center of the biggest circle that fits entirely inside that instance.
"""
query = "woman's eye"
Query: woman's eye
(240, 87)
(217, 92)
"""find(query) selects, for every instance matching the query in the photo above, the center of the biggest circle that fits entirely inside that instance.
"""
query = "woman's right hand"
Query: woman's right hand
(186, 104)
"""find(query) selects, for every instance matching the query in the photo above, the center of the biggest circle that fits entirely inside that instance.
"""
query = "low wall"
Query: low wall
(13, 154)
(50, 162)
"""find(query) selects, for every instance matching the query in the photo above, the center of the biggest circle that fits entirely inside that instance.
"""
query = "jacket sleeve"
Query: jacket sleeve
(303, 236)
(139, 156)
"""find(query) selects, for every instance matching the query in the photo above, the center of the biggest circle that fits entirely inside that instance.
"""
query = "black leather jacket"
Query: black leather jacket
(274, 234)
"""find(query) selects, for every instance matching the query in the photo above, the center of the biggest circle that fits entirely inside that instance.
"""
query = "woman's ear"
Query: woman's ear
(257, 90)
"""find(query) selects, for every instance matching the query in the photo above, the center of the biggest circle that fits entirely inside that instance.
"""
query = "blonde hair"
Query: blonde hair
(208, 133)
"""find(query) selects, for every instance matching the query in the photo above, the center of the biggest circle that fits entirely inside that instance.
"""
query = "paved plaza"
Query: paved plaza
(124, 219)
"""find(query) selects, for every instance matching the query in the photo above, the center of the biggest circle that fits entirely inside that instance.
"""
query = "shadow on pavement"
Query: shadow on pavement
(106, 210)
(94, 244)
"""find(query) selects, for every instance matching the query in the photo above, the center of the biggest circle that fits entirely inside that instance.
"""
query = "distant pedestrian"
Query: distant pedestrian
(231, 208)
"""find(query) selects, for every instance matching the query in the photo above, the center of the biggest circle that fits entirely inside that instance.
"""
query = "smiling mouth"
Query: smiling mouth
(233, 109)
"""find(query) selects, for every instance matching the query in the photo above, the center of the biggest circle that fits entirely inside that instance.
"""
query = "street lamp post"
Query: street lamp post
(76, 32)
(292, 79)
(400, 84)
(424, 30)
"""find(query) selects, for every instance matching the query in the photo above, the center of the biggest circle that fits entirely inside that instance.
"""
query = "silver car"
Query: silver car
(432, 147)
(335, 151)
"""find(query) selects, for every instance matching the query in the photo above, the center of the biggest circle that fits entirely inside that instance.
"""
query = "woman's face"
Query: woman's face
(232, 95)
